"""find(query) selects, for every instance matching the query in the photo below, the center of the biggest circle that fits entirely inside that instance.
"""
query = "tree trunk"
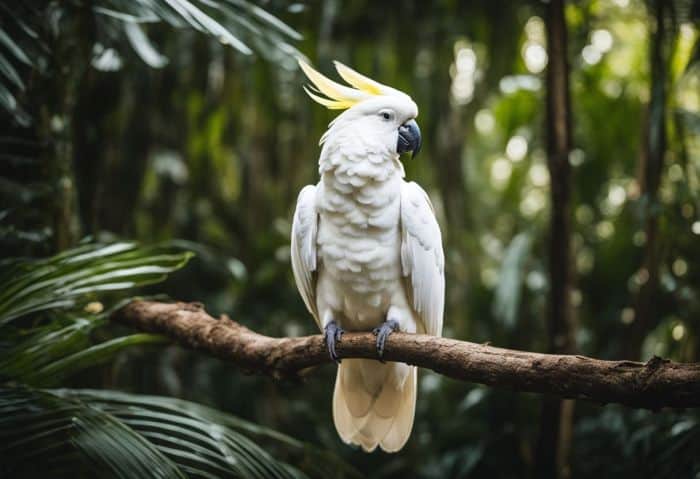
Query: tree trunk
(69, 62)
(557, 415)
(651, 167)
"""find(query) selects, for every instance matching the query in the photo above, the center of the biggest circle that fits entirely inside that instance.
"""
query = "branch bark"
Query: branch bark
(652, 385)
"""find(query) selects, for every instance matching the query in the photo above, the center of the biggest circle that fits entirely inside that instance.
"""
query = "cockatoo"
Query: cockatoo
(366, 252)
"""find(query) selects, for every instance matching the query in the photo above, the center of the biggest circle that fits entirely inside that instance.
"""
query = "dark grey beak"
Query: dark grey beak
(409, 138)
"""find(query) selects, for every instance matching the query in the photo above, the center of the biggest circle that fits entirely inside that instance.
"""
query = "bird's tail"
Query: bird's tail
(374, 403)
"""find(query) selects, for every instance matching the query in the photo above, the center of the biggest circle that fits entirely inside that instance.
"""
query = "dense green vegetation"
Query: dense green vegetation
(137, 133)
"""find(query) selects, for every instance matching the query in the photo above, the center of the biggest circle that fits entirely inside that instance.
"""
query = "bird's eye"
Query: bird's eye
(386, 115)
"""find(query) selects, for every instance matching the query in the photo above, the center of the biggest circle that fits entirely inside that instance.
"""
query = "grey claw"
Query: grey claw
(332, 334)
(382, 333)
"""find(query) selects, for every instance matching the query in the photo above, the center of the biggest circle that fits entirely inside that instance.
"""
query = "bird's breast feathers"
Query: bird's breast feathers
(359, 240)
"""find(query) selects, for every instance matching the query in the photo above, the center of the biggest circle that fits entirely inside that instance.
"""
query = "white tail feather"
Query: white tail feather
(374, 403)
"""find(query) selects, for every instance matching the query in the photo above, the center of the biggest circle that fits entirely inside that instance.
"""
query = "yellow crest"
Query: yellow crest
(341, 97)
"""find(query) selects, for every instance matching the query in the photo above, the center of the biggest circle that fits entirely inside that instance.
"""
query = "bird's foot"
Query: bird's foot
(332, 334)
(383, 332)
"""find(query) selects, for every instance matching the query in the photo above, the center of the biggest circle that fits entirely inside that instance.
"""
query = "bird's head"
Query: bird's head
(373, 112)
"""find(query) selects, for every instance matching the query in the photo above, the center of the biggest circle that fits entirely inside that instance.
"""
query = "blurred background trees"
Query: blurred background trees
(186, 122)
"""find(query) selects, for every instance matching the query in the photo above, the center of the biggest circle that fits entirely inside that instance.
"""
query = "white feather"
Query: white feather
(303, 249)
(422, 258)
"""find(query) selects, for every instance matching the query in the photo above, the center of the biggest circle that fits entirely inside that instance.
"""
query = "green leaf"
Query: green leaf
(7, 99)
(166, 409)
(267, 18)
(61, 281)
(143, 47)
(14, 48)
(25, 354)
(147, 17)
(203, 22)
(510, 279)
(55, 372)
(121, 435)
(39, 429)
(275, 22)
(9, 72)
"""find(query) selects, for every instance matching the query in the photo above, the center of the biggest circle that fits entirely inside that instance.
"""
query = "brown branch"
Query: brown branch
(655, 384)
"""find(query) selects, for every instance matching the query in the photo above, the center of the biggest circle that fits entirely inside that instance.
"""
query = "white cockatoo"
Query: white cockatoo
(367, 252)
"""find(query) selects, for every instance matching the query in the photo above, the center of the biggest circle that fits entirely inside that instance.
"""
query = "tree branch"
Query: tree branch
(655, 384)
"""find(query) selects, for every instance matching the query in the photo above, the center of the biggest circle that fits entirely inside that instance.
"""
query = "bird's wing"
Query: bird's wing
(422, 258)
(304, 260)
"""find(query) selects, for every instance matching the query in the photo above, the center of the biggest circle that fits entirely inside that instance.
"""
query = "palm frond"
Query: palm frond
(239, 24)
(320, 463)
(124, 435)
(53, 373)
(27, 352)
(17, 42)
(61, 344)
(39, 430)
(65, 279)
